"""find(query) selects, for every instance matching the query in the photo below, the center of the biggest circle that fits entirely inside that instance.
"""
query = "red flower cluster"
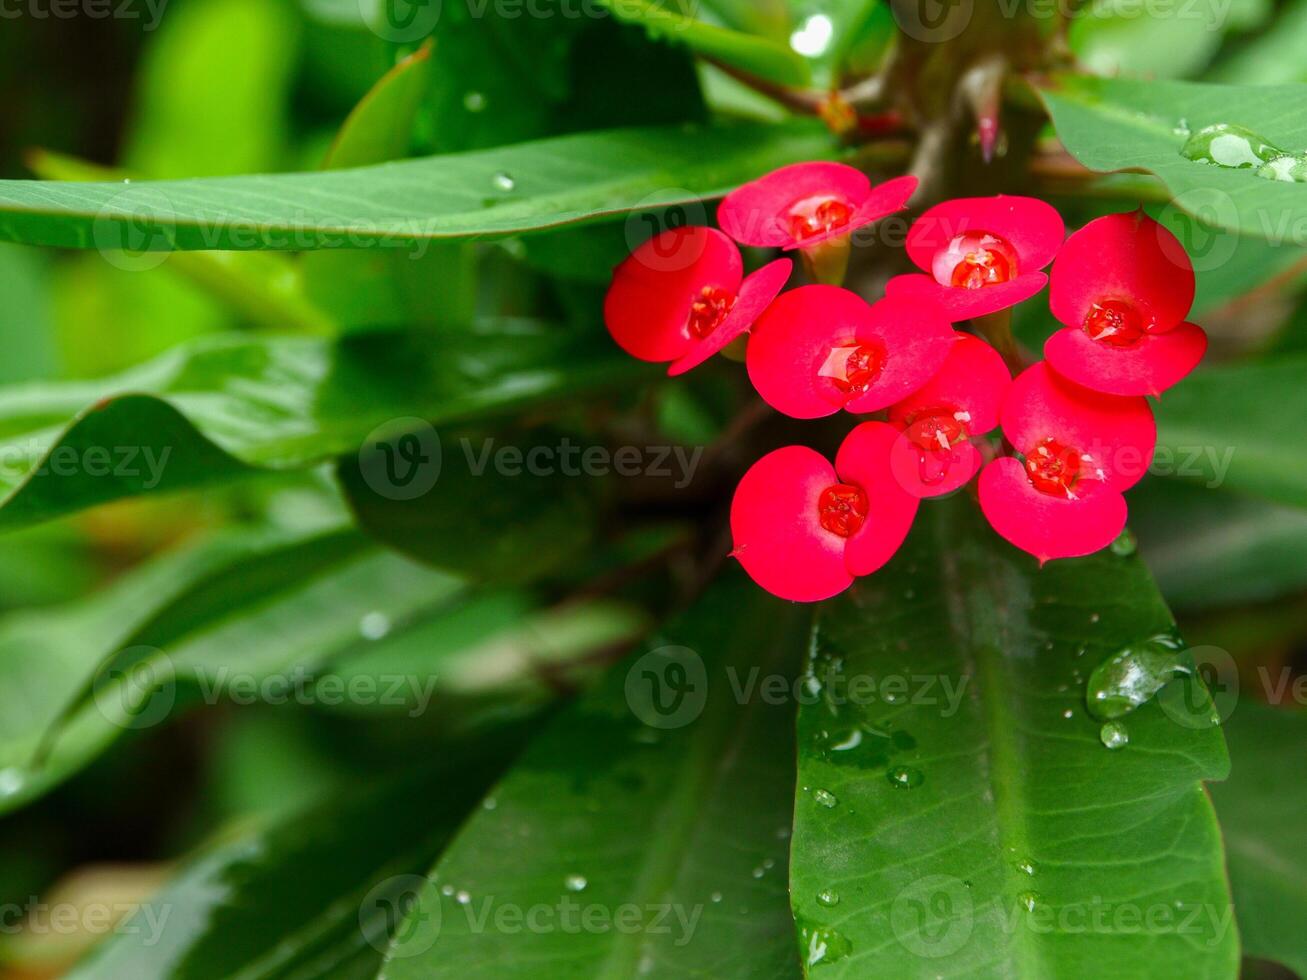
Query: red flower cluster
(1078, 424)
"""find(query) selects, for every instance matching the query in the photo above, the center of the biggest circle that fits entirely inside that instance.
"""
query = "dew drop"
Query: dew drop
(474, 102)
(1068, 713)
(1287, 168)
(905, 778)
(1125, 544)
(715, 898)
(1026, 867)
(1114, 735)
(1028, 900)
(828, 897)
(503, 181)
(826, 798)
(462, 898)
(447, 891)
(575, 883)
(489, 803)
(1230, 146)
(374, 625)
(758, 872)
(822, 945)
(1132, 675)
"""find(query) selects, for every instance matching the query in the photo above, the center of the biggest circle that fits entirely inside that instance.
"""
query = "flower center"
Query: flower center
(853, 367)
(975, 260)
(1114, 323)
(843, 509)
(818, 215)
(708, 310)
(1053, 468)
(937, 429)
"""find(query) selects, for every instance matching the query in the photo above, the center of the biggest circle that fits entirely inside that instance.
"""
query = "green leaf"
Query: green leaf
(1272, 58)
(1226, 428)
(315, 894)
(1261, 817)
(381, 126)
(527, 187)
(951, 818)
(685, 821)
(230, 407)
(491, 514)
(1209, 549)
(1120, 124)
(755, 55)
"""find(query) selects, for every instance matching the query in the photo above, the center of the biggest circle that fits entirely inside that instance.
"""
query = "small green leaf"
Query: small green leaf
(1121, 124)
(684, 818)
(956, 795)
(755, 55)
(527, 187)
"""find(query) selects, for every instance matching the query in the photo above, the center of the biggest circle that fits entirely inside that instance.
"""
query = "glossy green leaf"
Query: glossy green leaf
(1261, 818)
(316, 894)
(673, 833)
(381, 126)
(1119, 124)
(755, 55)
(233, 406)
(527, 187)
(958, 811)
(1271, 58)
(1226, 428)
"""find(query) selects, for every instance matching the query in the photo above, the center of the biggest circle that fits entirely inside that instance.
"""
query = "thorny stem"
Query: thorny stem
(997, 329)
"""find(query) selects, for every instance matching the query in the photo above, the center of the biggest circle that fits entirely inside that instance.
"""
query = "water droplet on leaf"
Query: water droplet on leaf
(503, 181)
(575, 883)
(905, 778)
(1134, 674)
(1114, 735)
(828, 897)
(826, 798)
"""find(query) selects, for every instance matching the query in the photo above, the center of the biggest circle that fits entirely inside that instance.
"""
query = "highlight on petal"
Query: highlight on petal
(757, 292)
(1129, 262)
(1082, 436)
(1044, 525)
(864, 460)
(777, 529)
(1155, 362)
(804, 204)
(818, 349)
(964, 304)
(1025, 226)
(677, 287)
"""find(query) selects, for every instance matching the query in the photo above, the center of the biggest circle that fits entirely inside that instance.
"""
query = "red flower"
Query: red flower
(818, 349)
(983, 254)
(934, 454)
(805, 204)
(682, 297)
(1123, 285)
(1081, 449)
(804, 529)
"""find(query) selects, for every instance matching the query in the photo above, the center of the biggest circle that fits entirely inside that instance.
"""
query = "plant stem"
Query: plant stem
(997, 329)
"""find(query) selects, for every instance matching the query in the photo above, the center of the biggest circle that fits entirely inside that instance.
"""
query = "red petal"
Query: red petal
(864, 460)
(1116, 433)
(923, 473)
(963, 304)
(973, 379)
(756, 294)
(1042, 524)
(1148, 367)
(1126, 257)
(777, 528)
(757, 213)
(647, 308)
(917, 339)
(1032, 227)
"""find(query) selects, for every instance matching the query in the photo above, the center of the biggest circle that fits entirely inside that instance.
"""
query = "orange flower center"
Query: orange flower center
(1053, 468)
(843, 509)
(975, 260)
(818, 215)
(708, 311)
(1114, 323)
(937, 429)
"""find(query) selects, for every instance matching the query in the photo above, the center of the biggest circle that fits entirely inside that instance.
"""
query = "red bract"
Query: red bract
(805, 204)
(803, 529)
(682, 297)
(1081, 449)
(982, 254)
(934, 454)
(1123, 285)
(818, 349)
